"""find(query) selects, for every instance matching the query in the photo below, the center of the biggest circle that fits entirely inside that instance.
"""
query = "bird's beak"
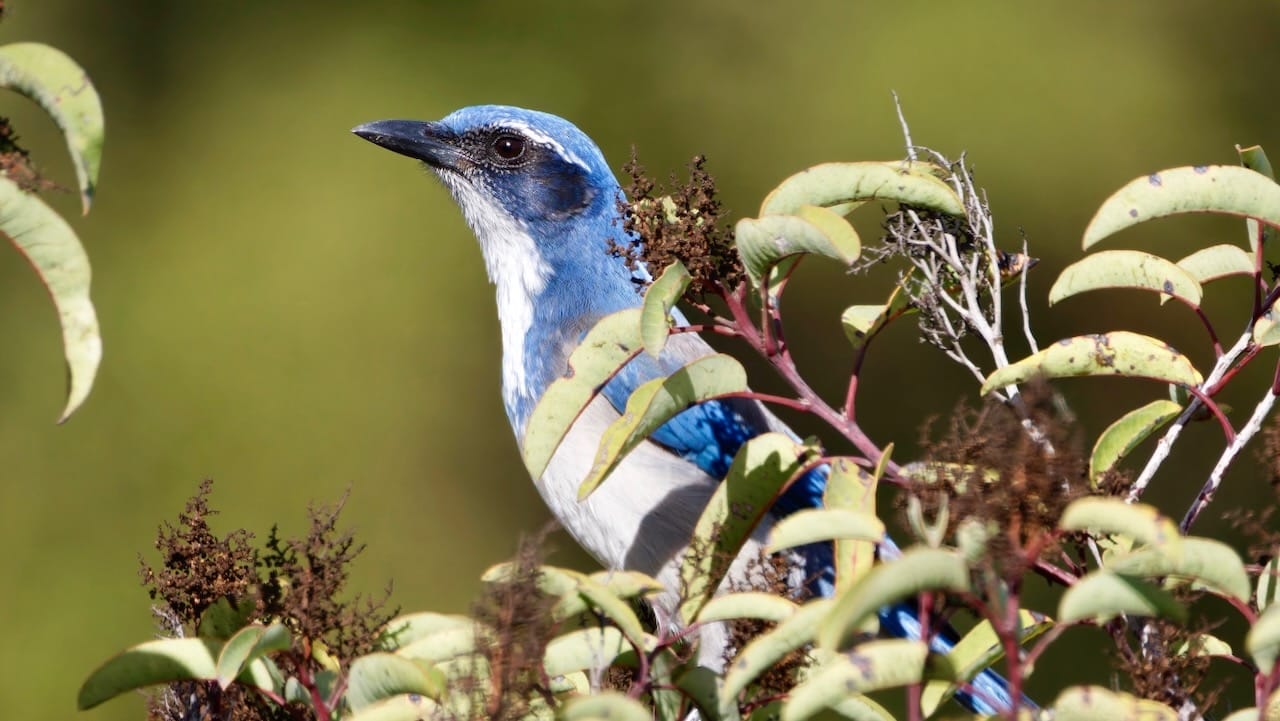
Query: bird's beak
(432, 143)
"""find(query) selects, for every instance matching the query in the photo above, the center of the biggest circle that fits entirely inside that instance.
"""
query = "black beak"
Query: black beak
(432, 143)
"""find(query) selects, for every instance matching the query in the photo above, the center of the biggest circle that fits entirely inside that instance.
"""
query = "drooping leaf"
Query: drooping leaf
(870, 666)
(1119, 353)
(976, 651)
(769, 647)
(849, 488)
(919, 569)
(1144, 523)
(1216, 262)
(1098, 703)
(605, 705)
(659, 299)
(658, 401)
(446, 643)
(60, 86)
(1126, 269)
(768, 241)
(1255, 158)
(1102, 595)
(377, 676)
(607, 347)
(611, 607)
(759, 471)
(55, 252)
(840, 184)
(1268, 591)
(587, 648)
(1263, 640)
(147, 664)
(824, 524)
(1125, 434)
(405, 707)
(405, 629)
(1206, 562)
(1226, 189)
(760, 605)
(699, 684)
(249, 644)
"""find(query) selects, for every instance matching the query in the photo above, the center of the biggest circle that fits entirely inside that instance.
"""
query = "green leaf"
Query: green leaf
(977, 650)
(1204, 644)
(919, 569)
(587, 648)
(221, 620)
(405, 707)
(1098, 703)
(611, 607)
(870, 666)
(607, 347)
(659, 299)
(658, 401)
(60, 86)
(1208, 563)
(1244, 714)
(830, 184)
(1124, 435)
(768, 648)
(248, 645)
(759, 471)
(148, 664)
(698, 683)
(405, 629)
(1263, 640)
(1226, 189)
(765, 242)
(446, 643)
(1126, 269)
(609, 705)
(861, 708)
(1118, 353)
(1216, 262)
(759, 605)
(1255, 158)
(861, 321)
(1139, 521)
(55, 252)
(1268, 591)
(1102, 595)
(377, 676)
(824, 524)
(849, 488)
(1266, 331)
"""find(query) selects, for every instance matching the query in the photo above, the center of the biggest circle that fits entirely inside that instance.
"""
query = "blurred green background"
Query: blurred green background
(293, 312)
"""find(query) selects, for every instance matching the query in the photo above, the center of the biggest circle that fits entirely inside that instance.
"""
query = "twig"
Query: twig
(1260, 413)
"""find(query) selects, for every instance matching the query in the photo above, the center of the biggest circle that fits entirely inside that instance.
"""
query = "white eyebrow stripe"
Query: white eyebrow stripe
(540, 137)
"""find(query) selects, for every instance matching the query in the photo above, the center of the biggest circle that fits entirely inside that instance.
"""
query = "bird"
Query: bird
(545, 206)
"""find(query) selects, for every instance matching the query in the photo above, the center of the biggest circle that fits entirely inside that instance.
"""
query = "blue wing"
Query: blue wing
(710, 434)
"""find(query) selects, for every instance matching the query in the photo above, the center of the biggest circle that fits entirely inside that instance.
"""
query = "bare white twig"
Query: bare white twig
(1246, 434)
(906, 131)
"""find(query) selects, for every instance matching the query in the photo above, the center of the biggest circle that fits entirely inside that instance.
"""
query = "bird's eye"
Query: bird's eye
(508, 147)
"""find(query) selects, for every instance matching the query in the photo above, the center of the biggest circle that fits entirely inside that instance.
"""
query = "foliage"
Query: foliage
(55, 82)
(1008, 491)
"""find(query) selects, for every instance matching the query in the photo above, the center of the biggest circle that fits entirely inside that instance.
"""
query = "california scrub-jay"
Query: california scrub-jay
(544, 206)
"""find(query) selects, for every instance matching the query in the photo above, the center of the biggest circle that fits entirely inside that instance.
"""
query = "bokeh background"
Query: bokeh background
(295, 313)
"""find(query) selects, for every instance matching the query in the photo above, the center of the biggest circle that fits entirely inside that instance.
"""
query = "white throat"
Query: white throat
(517, 269)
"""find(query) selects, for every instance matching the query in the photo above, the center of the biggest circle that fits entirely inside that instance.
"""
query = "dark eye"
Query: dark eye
(508, 147)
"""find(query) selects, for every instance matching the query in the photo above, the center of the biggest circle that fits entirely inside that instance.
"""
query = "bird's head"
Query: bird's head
(544, 206)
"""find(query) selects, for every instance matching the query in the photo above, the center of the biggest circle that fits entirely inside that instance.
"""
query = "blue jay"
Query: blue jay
(543, 204)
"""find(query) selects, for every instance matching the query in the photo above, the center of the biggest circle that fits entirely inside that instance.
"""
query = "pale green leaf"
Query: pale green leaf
(55, 252)
(1255, 158)
(848, 184)
(607, 347)
(1119, 353)
(611, 607)
(659, 299)
(699, 684)
(247, 645)
(446, 643)
(976, 651)
(1126, 269)
(60, 86)
(1225, 189)
(1098, 703)
(1266, 332)
(1125, 434)
(1206, 562)
(406, 707)
(377, 676)
(1263, 640)
(861, 321)
(148, 664)
(587, 648)
(919, 569)
(759, 605)
(405, 629)
(1102, 595)
(849, 488)
(658, 401)
(1217, 261)
(768, 648)
(1244, 714)
(1144, 523)
(605, 705)
(759, 470)
(870, 666)
(812, 525)
(766, 241)
(1204, 644)
(1268, 591)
